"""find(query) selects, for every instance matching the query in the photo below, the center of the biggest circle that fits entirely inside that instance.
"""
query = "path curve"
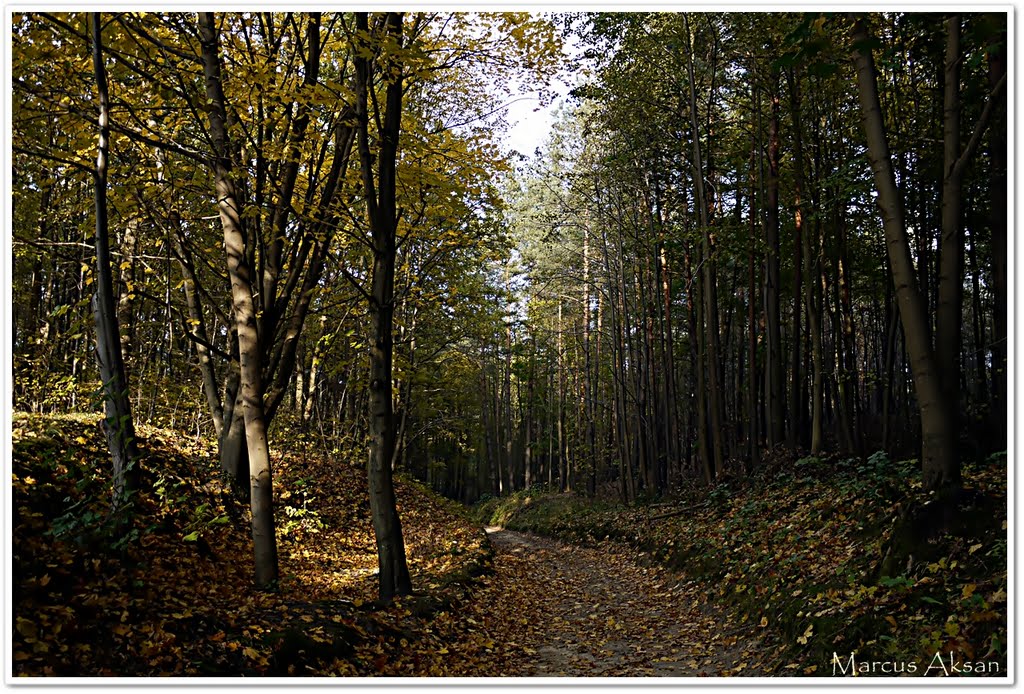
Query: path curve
(559, 609)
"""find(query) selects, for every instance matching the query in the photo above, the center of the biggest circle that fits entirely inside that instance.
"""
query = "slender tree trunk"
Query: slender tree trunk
(810, 263)
(198, 324)
(590, 383)
(753, 430)
(949, 312)
(310, 397)
(949, 319)
(939, 457)
(126, 297)
(997, 152)
(249, 349)
(118, 424)
(795, 430)
(382, 213)
(773, 370)
(981, 388)
(697, 335)
(710, 295)
(848, 385)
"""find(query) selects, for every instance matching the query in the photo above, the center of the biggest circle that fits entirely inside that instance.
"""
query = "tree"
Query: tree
(940, 460)
(379, 54)
(230, 209)
(118, 424)
(810, 270)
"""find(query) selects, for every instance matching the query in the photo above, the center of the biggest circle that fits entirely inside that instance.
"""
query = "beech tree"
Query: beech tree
(118, 424)
(939, 445)
(373, 58)
(230, 208)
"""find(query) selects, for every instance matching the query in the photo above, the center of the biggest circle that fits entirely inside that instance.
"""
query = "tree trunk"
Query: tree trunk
(795, 431)
(773, 367)
(997, 149)
(949, 319)
(939, 458)
(197, 323)
(125, 300)
(117, 425)
(383, 218)
(590, 383)
(710, 294)
(249, 350)
(949, 312)
(753, 434)
(810, 263)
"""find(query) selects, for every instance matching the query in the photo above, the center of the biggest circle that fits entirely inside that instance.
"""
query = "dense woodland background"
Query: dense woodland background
(750, 237)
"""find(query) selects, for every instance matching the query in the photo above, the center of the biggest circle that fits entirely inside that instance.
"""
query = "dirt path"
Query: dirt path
(558, 609)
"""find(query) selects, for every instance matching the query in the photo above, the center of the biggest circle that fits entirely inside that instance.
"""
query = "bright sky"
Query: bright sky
(529, 122)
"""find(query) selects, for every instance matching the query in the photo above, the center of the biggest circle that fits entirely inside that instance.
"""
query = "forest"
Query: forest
(314, 374)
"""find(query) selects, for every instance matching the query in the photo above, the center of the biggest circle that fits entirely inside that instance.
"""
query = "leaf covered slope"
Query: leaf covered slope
(169, 593)
(829, 556)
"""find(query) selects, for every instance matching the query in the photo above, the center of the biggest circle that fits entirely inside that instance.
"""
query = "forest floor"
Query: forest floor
(596, 612)
(766, 578)
(166, 589)
(809, 560)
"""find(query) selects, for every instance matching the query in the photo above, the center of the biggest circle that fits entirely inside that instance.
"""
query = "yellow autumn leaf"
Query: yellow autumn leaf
(26, 628)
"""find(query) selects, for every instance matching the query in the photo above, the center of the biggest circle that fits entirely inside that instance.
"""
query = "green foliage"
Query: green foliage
(300, 512)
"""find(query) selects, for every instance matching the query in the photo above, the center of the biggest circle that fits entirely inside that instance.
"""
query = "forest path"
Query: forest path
(580, 611)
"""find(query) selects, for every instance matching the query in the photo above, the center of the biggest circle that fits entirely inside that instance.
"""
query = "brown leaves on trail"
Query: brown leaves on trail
(171, 595)
(814, 553)
(551, 609)
(609, 616)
